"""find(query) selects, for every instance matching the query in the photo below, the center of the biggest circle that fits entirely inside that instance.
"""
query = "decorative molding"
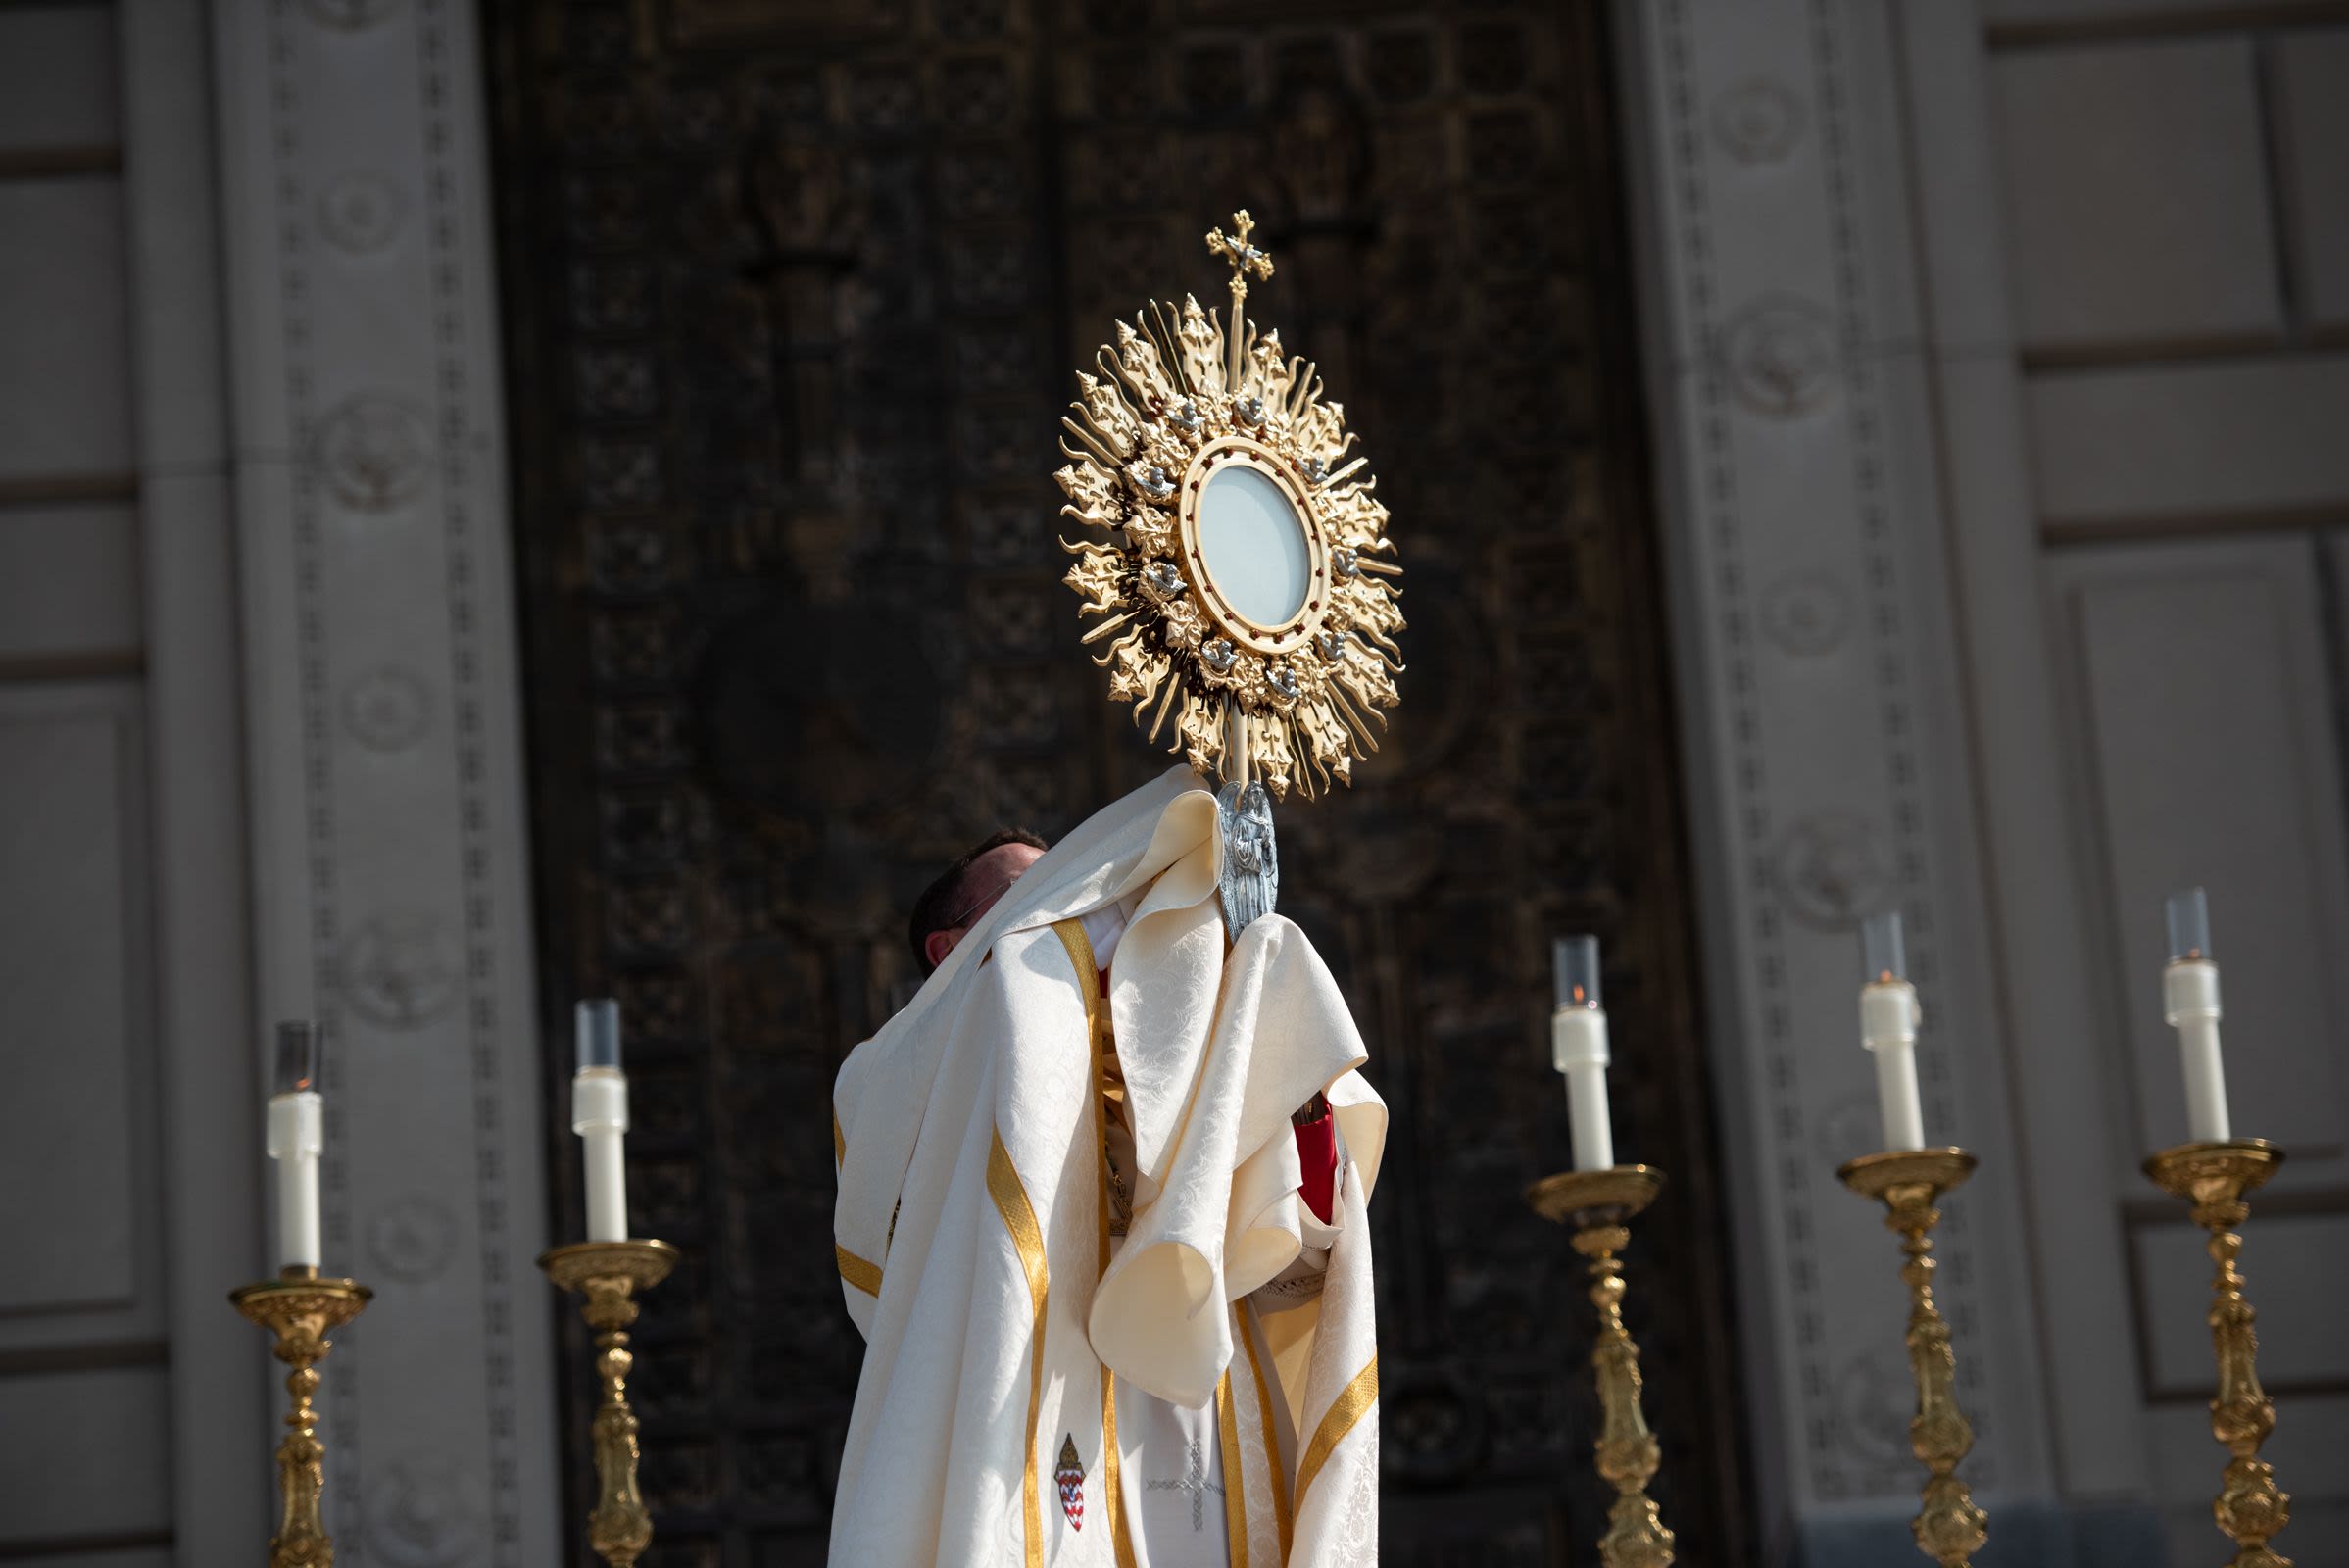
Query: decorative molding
(1780, 358)
(423, 1512)
(319, 859)
(1759, 121)
(1873, 1400)
(474, 617)
(400, 968)
(1808, 614)
(1893, 645)
(1802, 503)
(362, 211)
(1846, 1124)
(374, 452)
(387, 709)
(389, 854)
(411, 1239)
(1714, 508)
(1834, 869)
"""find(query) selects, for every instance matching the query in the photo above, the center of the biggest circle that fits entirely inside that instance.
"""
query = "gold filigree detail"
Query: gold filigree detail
(1949, 1528)
(1177, 396)
(1245, 260)
(298, 1309)
(610, 1274)
(1111, 416)
(1597, 1204)
(1203, 340)
(2214, 1177)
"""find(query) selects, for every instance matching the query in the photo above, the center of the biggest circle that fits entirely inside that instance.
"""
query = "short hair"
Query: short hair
(944, 899)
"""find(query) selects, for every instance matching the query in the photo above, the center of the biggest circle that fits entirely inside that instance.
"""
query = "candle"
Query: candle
(1888, 1019)
(1578, 1045)
(600, 1116)
(2190, 1001)
(297, 1137)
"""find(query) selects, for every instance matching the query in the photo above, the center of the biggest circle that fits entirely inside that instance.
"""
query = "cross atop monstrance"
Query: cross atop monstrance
(1242, 257)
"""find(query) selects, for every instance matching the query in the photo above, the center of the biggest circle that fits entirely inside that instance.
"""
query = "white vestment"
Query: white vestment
(972, 1224)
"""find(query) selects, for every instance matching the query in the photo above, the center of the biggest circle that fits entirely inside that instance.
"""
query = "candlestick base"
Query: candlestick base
(1949, 1528)
(2214, 1177)
(1598, 1204)
(1585, 1198)
(608, 1274)
(297, 1307)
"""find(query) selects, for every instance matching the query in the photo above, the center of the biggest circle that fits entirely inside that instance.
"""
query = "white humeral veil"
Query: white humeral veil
(969, 1226)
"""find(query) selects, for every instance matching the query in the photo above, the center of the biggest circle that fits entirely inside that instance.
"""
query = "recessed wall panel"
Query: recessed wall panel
(57, 77)
(84, 1458)
(2211, 748)
(64, 329)
(2136, 196)
(67, 905)
(68, 583)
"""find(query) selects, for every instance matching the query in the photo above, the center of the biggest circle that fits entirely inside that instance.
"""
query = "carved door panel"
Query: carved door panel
(794, 292)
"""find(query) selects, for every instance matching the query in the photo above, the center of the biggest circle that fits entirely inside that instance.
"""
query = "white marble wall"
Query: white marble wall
(122, 897)
(1998, 414)
(385, 752)
(259, 759)
(1824, 737)
(2166, 186)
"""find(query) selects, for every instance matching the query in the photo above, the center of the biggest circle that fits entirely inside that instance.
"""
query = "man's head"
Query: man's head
(967, 889)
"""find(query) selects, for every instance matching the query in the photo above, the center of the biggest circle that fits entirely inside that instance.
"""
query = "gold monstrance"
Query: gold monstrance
(1248, 575)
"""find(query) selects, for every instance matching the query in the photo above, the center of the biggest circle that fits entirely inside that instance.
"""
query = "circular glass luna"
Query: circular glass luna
(1254, 546)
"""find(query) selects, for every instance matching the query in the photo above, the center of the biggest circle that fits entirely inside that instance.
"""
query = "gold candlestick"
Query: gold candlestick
(1949, 1528)
(299, 1307)
(1597, 1204)
(2214, 1177)
(610, 1274)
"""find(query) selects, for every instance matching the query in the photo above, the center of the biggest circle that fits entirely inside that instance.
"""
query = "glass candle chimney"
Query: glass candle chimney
(299, 1042)
(1574, 963)
(1883, 955)
(2189, 914)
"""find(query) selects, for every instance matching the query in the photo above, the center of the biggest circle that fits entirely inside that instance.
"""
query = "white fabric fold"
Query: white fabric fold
(1332, 1340)
(1117, 850)
(1264, 1222)
(1281, 1031)
(968, 1223)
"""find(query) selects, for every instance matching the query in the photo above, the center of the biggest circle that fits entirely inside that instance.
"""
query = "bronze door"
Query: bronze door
(793, 292)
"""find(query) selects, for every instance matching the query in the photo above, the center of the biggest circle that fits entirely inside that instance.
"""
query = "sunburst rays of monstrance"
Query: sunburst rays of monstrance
(1269, 647)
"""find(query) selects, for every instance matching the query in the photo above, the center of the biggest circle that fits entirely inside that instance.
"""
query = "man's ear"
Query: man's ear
(937, 944)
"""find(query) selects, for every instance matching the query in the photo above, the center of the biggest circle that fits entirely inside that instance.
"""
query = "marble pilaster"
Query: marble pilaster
(388, 848)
